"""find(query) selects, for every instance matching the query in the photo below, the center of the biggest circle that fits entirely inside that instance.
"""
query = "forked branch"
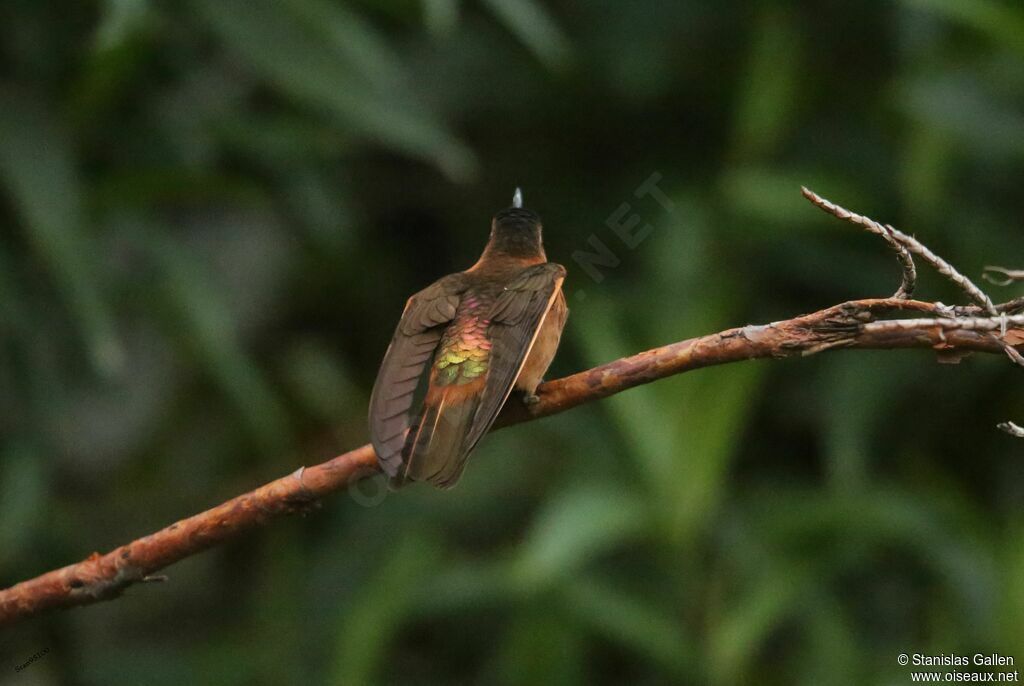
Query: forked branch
(860, 324)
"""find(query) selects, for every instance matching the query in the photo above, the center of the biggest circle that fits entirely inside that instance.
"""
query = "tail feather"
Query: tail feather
(435, 447)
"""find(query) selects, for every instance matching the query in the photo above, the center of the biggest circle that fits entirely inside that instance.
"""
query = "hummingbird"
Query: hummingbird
(463, 345)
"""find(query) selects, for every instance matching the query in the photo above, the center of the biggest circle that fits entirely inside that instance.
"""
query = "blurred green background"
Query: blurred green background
(212, 213)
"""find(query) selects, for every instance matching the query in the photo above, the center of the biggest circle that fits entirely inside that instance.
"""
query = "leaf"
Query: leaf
(320, 382)
(121, 19)
(312, 52)
(367, 627)
(981, 122)
(13, 319)
(681, 432)
(769, 197)
(920, 523)
(578, 525)
(736, 638)
(440, 16)
(635, 413)
(541, 647)
(466, 585)
(633, 623)
(535, 28)
(38, 168)
(276, 620)
(854, 404)
(22, 499)
(1001, 21)
(352, 40)
(769, 88)
(206, 327)
(1011, 606)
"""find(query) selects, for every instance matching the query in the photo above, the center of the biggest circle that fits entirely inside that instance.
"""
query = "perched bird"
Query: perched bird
(464, 343)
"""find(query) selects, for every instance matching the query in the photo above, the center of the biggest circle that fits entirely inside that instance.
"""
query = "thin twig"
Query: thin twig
(909, 243)
(1000, 324)
(1008, 275)
(1012, 429)
(906, 260)
(1013, 354)
(947, 323)
(1012, 306)
(946, 269)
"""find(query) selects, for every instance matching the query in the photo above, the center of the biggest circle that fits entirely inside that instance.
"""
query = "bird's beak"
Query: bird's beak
(517, 198)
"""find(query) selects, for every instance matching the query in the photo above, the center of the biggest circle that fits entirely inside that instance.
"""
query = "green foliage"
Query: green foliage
(213, 212)
(36, 163)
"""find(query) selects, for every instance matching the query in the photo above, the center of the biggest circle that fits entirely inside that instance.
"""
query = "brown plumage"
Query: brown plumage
(463, 344)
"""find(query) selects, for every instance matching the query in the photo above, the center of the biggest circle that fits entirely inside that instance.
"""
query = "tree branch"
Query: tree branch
(849, 325)
(951, 331)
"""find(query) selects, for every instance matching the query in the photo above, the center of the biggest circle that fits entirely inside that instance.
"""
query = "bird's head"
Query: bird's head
(516, 231)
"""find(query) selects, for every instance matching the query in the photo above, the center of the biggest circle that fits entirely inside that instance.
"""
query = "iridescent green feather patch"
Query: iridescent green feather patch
(464, 352)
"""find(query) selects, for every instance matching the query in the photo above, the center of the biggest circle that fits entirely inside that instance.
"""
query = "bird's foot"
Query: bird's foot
(530, 399)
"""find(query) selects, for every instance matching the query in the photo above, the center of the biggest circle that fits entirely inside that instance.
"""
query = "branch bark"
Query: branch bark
(848, 325)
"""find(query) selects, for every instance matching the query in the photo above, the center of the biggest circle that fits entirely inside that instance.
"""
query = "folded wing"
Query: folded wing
(404, 374)
(516, 319)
